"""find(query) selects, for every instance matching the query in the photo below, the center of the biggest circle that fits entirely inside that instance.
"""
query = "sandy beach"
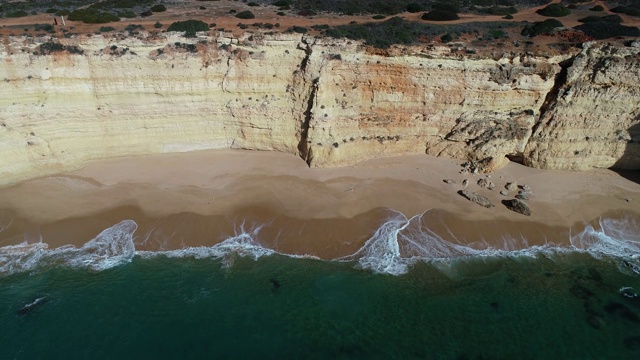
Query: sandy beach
(202, 198)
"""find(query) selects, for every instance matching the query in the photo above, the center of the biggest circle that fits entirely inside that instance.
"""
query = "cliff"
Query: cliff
(330, 101)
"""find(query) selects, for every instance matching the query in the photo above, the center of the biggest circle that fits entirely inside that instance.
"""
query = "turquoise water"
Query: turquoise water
(568, 307)
(240, 300)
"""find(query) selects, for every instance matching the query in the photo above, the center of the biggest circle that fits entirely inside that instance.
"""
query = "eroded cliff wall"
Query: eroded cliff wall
(329, 101)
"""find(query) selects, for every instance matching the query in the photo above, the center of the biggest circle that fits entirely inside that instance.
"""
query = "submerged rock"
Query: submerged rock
(518, 206)
(632, 343)
(475, 198)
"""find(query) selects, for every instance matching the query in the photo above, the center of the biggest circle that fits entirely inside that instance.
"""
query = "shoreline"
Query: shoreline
(201, 198)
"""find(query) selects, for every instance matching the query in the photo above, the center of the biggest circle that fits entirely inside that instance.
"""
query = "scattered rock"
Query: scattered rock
(504, 193)
(624, 312)
(465, 182)
(470, 166)
(523, 196)
(627, 199)
(525, 187)
(491, 185)
(518, 206)
(483, 183)
(475, 198)
(511, 186)
(449, 181)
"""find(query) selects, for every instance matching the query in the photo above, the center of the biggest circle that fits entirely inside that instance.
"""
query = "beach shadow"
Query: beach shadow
(628, 166)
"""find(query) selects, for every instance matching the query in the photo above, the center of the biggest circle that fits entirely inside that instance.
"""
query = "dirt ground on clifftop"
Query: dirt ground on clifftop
(221, 13)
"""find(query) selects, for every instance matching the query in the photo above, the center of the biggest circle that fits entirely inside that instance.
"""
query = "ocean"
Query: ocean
(406, 294)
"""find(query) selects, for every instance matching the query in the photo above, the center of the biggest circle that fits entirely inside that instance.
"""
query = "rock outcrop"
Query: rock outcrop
(332, 102)
(592, 117)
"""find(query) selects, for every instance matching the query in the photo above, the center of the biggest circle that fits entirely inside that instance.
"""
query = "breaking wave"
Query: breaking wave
(396, 245)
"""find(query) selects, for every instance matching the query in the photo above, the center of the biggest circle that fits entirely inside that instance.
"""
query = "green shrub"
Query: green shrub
(500, 10)
(446, 38)
(541, 27)
(44, 27)
(307, 13)
(129, 14)
(554, 10)
(497, 33)
(414, 8)
(92, 16)
(106, 28)
(483, 2)
(282, 3)
(120, 4)
(508, 17)
(245, 15)
(253, 4)
(63, 12)
(51, 47)
(604, 30)
(192, 26)
(632, 10)
(51, 11)
(157, 25)
(597, 8)
(454, 8)
(16, 14)
(616, 19)
(131, 28)
(320, 27)
(378, 17)
(158, 8)
(298, 29)
(440, 15)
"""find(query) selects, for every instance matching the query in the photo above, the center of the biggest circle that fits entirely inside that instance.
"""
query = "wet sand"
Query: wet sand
(202, 198)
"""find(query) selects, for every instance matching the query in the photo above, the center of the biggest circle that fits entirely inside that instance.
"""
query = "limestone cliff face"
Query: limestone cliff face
(593, 117)
(329, 101)
(368, 105)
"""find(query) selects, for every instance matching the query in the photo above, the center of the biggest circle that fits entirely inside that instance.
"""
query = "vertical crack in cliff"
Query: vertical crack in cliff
(223, 83)
(304, 151)
(303, 145)
(550, 100)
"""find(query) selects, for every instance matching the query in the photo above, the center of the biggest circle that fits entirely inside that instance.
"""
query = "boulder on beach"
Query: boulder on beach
(518, 206)
(475, 198)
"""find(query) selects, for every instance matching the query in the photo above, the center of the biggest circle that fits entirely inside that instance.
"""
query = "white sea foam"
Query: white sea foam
(112, 247)
(400, 242)
(616, 238)
(397, 244)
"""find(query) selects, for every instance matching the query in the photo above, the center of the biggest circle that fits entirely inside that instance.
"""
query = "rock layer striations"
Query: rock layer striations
(332, 102)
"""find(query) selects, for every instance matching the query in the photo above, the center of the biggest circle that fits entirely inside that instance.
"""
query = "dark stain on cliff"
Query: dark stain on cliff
(303, 146)
(628, 165)
(551, 99)
(304, 150)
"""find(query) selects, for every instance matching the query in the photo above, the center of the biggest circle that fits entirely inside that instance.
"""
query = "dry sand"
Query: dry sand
(201, 198)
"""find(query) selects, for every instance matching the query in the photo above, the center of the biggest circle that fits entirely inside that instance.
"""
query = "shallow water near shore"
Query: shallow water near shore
(390, 299)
